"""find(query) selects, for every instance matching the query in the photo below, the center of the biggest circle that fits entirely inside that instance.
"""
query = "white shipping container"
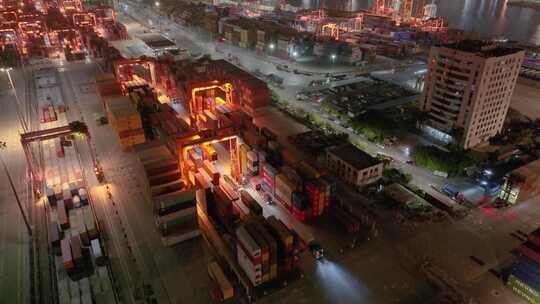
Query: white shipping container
(83, 196)
(96, 248)
(84, 284)
(253, 272)
(248, 242)
(76, 201)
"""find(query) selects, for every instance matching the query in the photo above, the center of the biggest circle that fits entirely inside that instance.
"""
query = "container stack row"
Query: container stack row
(115, 31)
(175, 211)
(301, 187)
(74, 239)
(48, 114)
(167, 121)
(220, 285)
(175, 215)
(107, 85)
(265, 249)
(126, 121)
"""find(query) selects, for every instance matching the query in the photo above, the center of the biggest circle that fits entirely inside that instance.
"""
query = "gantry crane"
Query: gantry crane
(197, 104)
(75, 127)
(227, 133)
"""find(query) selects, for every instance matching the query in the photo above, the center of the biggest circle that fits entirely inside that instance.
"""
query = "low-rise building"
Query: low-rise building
(353, 165)
(522, 183)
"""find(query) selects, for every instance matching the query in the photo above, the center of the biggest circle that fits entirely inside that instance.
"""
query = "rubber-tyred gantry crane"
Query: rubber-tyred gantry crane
(225, 134)
(75, 127)
(198, 105)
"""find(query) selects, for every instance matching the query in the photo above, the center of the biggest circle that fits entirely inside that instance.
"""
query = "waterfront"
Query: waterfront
(484, 16)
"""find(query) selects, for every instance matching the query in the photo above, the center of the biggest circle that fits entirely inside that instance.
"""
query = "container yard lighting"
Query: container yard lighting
(295, 54)
(333, 56)
(157, 3)
(272, 46)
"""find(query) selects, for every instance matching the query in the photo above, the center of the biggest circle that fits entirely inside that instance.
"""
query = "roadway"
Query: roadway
(14, 240)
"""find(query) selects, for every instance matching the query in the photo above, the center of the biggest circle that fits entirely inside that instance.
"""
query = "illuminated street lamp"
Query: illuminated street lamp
(295, 54)
(159, 14)
(333, 57)
(3, 146)
(21, 119)
(272, 46)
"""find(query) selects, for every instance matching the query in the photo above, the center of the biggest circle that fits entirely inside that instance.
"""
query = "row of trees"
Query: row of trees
(436, 159)
(375, 126)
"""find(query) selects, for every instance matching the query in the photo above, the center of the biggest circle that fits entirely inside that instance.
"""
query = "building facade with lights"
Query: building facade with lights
(468, 90)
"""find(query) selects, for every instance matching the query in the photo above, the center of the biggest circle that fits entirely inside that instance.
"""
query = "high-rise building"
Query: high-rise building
(468, 90)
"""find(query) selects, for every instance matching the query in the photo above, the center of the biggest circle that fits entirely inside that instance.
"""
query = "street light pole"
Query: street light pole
(3, 146)
(159, 15)
(21, 119)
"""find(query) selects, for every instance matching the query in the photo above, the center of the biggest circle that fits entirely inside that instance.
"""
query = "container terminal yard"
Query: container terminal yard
(148, 159)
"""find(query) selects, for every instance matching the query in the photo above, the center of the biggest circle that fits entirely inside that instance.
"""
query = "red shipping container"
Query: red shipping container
(59, 149)
(313, 192)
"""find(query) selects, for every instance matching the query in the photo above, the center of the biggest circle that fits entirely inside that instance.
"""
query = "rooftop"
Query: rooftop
(354, 156)
(482, 48)
(154, 40)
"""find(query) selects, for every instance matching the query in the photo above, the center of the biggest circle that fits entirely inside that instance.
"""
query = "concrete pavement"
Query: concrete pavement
(14, 240)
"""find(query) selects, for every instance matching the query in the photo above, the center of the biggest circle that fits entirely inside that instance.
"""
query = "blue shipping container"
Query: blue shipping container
(527, 279)
(527, 263)
(267, 188)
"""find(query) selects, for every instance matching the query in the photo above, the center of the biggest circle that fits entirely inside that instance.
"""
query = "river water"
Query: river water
(488, 17)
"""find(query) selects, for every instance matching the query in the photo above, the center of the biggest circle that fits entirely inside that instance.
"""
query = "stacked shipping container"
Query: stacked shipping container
(176, 216)
(174, 207)
(265, 249)
(126, 120)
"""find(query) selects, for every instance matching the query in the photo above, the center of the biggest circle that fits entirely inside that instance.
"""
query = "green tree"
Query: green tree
(435, 159)
(375, 126)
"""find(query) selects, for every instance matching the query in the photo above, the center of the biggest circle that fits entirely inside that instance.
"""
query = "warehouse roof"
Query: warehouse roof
(154, 40)
(354, 156)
